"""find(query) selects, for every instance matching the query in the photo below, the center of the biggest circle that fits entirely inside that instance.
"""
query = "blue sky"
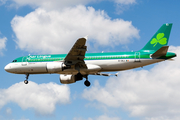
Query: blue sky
(43, 27)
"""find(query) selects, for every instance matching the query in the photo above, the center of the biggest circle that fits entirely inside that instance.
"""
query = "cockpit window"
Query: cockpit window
(14, 61)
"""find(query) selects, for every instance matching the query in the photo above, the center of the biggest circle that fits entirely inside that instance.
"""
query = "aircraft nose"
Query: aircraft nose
(7, 68)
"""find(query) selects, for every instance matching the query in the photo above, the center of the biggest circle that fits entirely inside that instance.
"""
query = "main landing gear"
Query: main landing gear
(26, 81)
(79, 76)
(87, 83)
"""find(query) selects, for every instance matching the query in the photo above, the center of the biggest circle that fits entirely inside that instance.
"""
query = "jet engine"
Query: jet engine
(55, 67)
(68, 79)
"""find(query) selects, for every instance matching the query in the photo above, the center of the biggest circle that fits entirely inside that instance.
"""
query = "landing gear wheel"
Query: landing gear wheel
(26, 81)
(87, 83)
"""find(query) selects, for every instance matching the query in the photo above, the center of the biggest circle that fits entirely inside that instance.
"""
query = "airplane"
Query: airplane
(78, 64)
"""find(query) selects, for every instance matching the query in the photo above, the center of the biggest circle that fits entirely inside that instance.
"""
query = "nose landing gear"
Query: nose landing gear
(26, 81)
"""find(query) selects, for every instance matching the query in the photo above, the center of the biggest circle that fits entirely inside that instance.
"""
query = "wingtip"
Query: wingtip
(86, 37)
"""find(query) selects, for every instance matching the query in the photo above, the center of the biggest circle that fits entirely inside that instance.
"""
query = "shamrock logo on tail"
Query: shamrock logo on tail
(159, 39)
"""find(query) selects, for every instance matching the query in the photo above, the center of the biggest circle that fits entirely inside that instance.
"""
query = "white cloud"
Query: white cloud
(41, 97)
(152, 94)
(2, 44)
(55, 32)
(2, 2)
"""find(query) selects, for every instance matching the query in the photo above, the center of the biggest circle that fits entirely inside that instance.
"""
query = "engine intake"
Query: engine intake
(68, 79)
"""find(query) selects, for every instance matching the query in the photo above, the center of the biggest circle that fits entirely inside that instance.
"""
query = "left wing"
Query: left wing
(76, 55)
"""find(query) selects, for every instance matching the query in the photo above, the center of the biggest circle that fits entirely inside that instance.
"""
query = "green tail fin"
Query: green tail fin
(160, 38)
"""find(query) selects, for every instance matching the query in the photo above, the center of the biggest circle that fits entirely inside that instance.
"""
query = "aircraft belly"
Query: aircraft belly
(122, 64)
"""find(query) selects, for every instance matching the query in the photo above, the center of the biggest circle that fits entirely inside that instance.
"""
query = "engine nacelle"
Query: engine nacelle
(67, 79)
(54, 67)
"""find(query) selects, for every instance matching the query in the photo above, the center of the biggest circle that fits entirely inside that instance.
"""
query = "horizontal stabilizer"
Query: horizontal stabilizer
(161, 52)
(171, 59)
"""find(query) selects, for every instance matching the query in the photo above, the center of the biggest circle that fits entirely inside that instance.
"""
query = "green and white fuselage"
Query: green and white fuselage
(96, 62)
(77, 63)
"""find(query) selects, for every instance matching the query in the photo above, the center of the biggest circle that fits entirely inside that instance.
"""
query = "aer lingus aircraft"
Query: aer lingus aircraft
(78, 64)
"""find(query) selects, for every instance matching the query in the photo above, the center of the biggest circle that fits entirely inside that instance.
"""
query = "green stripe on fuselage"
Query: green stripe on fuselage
(93, 56)
(88, 56)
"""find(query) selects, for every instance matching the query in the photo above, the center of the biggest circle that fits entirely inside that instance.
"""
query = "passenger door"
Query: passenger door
(137, 57)
(24, 61)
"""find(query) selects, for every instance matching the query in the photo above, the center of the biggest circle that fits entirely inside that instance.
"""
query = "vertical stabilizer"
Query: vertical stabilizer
(160, 38)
